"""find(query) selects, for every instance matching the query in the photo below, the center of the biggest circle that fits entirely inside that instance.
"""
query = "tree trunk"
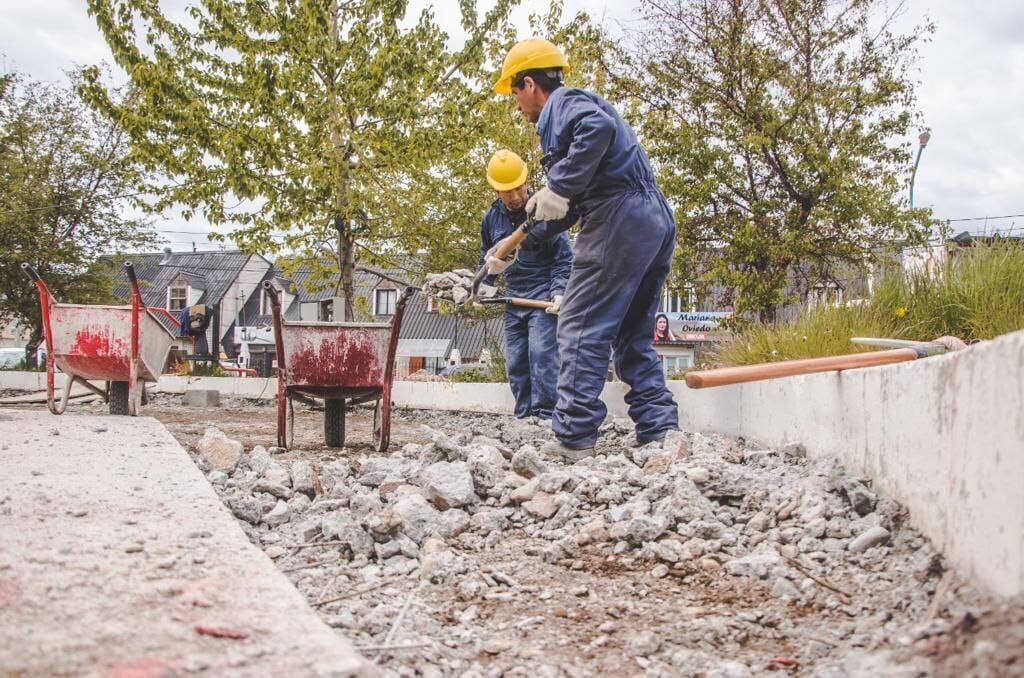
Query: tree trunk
(34, 340)
(347, 264)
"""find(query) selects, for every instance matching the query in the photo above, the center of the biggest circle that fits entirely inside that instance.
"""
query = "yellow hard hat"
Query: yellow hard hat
(526, 55)
(506, 171)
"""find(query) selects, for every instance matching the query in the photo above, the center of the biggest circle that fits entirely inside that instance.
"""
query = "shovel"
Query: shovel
(899, 351)
(507, 247)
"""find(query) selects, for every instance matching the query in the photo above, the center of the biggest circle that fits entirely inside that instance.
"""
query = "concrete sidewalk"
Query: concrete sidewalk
(117, 559)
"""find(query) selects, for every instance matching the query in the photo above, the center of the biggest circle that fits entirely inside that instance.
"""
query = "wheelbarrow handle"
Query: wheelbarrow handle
(30, 272)
(130, 269)
(275, 301)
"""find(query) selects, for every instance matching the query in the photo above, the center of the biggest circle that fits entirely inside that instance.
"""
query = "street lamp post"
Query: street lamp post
(923, 139)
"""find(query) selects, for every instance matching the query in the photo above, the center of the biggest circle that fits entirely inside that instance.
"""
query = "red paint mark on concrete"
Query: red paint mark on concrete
(220, 632)
(351, 357)
(10, 592)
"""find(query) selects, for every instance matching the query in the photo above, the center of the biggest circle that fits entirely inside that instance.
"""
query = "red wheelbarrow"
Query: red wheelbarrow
(345, 364)
(123, 346)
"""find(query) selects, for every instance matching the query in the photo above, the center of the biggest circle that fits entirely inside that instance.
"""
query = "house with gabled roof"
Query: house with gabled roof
(223, 281)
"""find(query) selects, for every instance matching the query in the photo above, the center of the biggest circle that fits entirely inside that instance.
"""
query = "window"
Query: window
(431, 304)
(434, 365)
(177, 297)
(327, 310)
(671, 302)
(384, 302)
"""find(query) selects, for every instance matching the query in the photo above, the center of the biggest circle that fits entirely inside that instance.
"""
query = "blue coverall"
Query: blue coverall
(622, 257)
(531, 349)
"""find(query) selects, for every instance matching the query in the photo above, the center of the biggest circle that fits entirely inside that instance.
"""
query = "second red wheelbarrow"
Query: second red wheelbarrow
(345, 364)
(123, 346)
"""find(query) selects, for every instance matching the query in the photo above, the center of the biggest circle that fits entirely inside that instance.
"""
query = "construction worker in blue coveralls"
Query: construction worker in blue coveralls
(539, 271)
(623, 253)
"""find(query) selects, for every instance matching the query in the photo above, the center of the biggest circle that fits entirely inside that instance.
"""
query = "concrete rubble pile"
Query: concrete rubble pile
(708, 511)
(455, 286)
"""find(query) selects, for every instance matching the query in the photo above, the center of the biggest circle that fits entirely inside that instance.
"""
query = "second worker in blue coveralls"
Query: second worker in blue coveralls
(539, 271)
(622, 255)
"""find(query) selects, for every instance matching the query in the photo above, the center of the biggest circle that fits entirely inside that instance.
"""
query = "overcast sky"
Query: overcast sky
(971, 91)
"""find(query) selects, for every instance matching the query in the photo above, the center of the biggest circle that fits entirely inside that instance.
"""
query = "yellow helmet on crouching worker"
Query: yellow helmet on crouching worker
(528, 55)
(506, 171)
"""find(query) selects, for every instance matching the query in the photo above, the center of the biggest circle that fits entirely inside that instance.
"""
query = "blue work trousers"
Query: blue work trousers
(622, 258)
(531, 360)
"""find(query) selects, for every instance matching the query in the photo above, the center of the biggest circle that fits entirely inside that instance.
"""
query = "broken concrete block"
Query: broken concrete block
(201, 397)
(219, 451)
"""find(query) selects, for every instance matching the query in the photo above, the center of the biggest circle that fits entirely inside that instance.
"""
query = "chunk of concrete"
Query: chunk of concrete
(201, 397)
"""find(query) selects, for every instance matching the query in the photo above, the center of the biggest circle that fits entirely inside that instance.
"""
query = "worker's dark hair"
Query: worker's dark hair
(548, 79)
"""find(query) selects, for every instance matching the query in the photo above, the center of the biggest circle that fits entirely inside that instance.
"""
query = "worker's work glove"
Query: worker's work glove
(546, 205)
(494, 265)
(556, 305)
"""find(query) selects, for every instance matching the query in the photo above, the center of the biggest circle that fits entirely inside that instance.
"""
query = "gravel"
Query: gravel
(712, 557)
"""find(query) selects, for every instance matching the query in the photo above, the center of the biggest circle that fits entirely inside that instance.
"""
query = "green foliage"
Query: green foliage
(323, 128)
(777, 128)
(63, 172)
(208, 369)
(977, 294)
(476, 375)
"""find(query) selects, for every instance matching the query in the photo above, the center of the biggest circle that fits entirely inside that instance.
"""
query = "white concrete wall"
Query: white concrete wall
(944, 436)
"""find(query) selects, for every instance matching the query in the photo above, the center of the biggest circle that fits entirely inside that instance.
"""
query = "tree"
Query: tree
(65, 184)
(309, 125)
(778, 128)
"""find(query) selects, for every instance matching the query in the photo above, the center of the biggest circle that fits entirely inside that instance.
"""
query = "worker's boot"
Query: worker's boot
(671, 440)
(556, 450)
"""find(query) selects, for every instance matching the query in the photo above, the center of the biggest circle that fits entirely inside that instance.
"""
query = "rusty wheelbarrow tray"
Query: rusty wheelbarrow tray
(123, 346)
(345, 364)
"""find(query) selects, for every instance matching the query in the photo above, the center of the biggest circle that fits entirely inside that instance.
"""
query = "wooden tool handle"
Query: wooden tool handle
(509, 244)
(789, 368)
(529, 303)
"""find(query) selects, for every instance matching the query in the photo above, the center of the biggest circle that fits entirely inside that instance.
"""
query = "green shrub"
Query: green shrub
(978, 294)
(478, 375)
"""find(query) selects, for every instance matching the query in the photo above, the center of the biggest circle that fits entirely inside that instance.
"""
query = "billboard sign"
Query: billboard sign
(698, 326)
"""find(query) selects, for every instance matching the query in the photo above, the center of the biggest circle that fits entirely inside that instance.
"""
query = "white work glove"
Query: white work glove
(556, 305)
(494, 265)
(546, 205)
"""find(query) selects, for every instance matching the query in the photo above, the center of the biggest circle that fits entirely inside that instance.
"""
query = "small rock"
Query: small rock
(758, 564)
(542, 505)
(795, 449)
(497, 646)
(302, 478)
(448, 484)
(527, 462)
(643, 644)
(579, 591)
(759, 522)
(219, 451)
(274, 489)
(276, 473)
(659, 571)
(698, 475)
(279, 515)
(525, 492)
(783, 588)
(419, 518)
(259, 459)
(247, 509)
(873, 536)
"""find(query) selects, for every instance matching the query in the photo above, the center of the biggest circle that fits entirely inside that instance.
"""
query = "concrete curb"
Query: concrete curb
(119, 559)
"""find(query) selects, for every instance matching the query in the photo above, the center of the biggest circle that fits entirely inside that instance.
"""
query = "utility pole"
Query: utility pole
(923, 141)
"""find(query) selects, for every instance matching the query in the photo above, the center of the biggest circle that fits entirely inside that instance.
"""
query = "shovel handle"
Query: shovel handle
(518, 301)
(790, 368)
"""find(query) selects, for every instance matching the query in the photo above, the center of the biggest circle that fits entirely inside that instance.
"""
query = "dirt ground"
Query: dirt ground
(602, 612)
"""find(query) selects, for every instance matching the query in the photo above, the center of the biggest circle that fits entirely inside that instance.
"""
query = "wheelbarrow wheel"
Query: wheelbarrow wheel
(117, 398)
(334, 422)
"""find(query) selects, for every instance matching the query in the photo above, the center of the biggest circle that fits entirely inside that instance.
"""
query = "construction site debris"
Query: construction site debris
(455, 286)
(708, 557)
